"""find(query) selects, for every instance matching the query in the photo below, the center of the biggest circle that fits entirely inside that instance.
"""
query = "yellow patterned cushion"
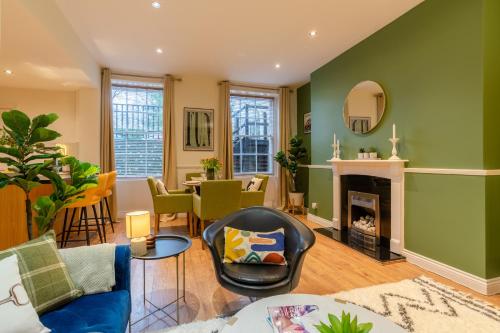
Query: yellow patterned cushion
(249, 247)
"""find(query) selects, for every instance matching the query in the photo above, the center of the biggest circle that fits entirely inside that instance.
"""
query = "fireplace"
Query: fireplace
(382, 178)
(363, 219)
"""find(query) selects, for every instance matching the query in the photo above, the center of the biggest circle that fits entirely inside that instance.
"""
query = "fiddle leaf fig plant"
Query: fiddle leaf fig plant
(83, 176)
(23, 149)
(343, 325)
(290, 161)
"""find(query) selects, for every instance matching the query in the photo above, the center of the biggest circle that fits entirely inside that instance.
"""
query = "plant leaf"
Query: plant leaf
(17, 121)
(10, 151)
(365, 327)
(335, 322)
(43, 120)
(42, 135)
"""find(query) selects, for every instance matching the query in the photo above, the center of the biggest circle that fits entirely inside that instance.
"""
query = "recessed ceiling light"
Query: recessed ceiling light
(277, 66)
(313, 33)
(156, 4)
(159, 51)
(8, 72)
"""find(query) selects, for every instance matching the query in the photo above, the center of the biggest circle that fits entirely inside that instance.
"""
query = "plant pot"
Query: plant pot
(296, 198)
(360, 156)
(366, 156)
(373, 156)
(210, 174)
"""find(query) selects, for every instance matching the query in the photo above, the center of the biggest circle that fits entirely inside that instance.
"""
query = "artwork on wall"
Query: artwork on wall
(307, 122)
(360, 125)
(198, 129)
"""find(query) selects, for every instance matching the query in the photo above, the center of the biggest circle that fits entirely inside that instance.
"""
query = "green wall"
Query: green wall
(303, 107)
(491, 30)
(433, 63)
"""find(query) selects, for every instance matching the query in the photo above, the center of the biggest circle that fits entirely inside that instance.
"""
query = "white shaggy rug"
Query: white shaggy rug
(420, 305)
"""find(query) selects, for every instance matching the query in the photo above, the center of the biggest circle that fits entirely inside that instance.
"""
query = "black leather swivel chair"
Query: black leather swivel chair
(260, 280)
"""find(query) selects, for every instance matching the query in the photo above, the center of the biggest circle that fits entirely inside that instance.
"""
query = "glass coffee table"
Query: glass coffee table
(167, 246)
(252, 318)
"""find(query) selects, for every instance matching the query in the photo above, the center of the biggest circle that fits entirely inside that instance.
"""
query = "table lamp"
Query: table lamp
(138, 227)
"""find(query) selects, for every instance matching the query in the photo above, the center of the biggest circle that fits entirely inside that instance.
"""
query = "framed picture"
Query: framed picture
(307, 122)
(198, 129)
(360, 125)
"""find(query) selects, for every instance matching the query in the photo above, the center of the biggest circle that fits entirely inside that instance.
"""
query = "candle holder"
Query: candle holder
(394, 156)
(334, 147)
(336, 154)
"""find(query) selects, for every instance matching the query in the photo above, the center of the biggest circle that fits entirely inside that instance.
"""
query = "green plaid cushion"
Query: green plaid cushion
(43, 273)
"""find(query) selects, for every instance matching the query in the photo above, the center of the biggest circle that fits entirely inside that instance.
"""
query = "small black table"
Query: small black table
(167, 246)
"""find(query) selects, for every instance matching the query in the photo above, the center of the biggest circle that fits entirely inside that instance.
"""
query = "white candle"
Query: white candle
(393, 131)
(334, 137)
(338, 143)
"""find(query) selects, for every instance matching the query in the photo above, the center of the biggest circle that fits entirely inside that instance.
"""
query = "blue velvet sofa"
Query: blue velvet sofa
(106, 312)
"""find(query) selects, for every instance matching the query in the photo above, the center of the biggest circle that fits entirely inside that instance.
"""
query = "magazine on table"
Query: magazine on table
(293, 318)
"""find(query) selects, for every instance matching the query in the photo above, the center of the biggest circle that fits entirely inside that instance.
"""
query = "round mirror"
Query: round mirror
(364, 106)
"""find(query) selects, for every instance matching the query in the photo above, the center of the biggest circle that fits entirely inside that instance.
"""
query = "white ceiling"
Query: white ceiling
(40, 47)
(230, 39)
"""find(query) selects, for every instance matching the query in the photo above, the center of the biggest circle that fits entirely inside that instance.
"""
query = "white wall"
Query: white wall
(35, 101)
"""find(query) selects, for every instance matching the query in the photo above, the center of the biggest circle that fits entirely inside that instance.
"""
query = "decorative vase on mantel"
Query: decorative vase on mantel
(211, 174)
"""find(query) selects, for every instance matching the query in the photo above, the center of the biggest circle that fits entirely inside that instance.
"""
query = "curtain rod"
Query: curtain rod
(146, 77)
(242, 85)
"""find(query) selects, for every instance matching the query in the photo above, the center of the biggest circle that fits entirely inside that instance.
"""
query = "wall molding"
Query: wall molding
(476, 283)
(461, 172)
(319, 220)
(433, 171)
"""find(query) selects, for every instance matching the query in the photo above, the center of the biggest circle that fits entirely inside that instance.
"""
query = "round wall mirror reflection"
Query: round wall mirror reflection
(364, 107)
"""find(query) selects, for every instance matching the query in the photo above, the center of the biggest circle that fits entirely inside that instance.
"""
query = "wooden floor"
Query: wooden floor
(329, 267)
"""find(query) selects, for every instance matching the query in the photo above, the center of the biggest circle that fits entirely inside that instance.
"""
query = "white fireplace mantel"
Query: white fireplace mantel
(391, 169)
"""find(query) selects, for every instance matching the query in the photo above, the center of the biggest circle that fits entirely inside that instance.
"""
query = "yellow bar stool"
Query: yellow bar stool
(90, 198)
(111, 182)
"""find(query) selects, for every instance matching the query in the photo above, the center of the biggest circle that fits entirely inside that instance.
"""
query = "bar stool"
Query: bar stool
(110, 183)
(90, 199)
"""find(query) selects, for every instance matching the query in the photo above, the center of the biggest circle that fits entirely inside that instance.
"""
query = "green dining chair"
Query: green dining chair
(255, 198)
(217, 199)
(176, 201)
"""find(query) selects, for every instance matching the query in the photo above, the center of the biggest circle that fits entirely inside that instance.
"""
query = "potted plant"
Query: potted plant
(361, 154)
(373, 153)
(211, 166)
(343, 325)
(290, 162)
(28, 158)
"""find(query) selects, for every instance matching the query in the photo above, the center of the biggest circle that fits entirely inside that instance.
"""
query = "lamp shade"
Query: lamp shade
(137, 224)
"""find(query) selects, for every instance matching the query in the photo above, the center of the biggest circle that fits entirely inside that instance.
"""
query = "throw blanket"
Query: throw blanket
(92, 268)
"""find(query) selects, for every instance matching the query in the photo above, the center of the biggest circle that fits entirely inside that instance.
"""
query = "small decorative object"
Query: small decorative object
(211, 166)
(290, 163)
(307, 123)
(361, 154)
(198, 129)
(334, 146)
(343, 325)
(373, 153)
(337, 150)
(138, 227)
(394, 142)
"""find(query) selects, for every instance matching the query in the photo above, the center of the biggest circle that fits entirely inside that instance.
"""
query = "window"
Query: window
(138, 128)
(253, 133)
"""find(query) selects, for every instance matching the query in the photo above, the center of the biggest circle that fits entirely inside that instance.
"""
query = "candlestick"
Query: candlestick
(394, 156)
(337, 150)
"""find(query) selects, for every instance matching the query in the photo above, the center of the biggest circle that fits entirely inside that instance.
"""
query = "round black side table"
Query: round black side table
(167, 246)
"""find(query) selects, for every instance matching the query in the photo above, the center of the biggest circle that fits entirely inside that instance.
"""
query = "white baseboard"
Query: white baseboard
(319, 220)
(476, 283)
